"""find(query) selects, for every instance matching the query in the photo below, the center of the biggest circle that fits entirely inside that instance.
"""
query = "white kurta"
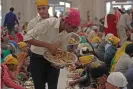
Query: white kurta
(47, 30)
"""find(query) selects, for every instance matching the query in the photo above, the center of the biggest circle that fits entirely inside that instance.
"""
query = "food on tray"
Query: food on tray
(72, 41)
(61, 57)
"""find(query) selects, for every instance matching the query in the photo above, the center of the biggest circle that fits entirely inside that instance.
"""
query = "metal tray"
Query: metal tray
(59, 64)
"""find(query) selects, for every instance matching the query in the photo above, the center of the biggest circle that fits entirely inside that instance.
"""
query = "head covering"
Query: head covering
(129, 49)
(96, 39)
(108, 36)
(22, 45)
(117, 79)
(72, 16)
(11, 60)
(13, 46)
(5, 53)
(117, 56)
(84, 60)
(41, 2)
(114, 40)
(97, 69)
(14, 43)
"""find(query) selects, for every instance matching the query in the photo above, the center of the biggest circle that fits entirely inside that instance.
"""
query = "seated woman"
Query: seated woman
(110, 50)
(10, 64)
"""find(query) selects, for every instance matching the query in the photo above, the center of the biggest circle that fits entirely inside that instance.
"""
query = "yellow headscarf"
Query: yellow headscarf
(86, 59)
(41, 2)
(114, 40)
(22, 45)
(118, 54)
(96, 39)
(11, 60)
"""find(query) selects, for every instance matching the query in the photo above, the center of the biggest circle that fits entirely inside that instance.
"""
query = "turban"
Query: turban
(11, 60)
(72, 17)
(41, 2)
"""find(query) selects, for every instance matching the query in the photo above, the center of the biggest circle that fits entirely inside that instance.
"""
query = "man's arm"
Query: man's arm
(16, 20)
(40, 28)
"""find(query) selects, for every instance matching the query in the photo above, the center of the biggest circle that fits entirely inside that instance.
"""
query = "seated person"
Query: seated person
(10, 64)
(116, 80)
(100, 51)
(98, 72)
(96, 41)
(85, 80)
(22, 57)
(118, 54)
(110, 50)
(126, 60)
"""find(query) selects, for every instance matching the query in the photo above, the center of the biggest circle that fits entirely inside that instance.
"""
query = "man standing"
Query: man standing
(10, 21)
(47, 34)
(124, 25)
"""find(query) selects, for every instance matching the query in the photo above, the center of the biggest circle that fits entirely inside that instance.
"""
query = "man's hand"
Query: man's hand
(54, 47)
(73, 83)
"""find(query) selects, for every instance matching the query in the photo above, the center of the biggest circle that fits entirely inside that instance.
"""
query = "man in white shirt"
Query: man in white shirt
(43, 14)
(48, 34)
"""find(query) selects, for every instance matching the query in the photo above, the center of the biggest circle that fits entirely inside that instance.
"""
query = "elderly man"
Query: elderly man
(48, 34)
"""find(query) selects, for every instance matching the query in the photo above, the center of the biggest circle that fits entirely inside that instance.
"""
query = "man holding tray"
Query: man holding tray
(49, 34)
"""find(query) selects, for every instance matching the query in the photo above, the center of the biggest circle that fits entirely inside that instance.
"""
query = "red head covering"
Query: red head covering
(72, 16)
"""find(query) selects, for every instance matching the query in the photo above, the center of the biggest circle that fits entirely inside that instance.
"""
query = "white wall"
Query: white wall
(96, 8)
(28, 11)
(26, 8)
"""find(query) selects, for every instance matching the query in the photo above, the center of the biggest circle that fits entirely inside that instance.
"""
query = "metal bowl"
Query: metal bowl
(77, 38)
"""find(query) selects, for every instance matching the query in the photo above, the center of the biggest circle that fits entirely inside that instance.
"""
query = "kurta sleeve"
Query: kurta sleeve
(39, 29)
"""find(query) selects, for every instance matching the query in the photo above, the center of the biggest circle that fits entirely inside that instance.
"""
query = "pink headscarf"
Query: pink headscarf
(72, 16)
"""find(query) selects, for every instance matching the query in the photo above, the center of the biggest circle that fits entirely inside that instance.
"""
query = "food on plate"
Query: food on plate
(72, 41)
(61, 56)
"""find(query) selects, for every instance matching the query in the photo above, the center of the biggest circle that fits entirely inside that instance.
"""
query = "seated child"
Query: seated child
(10, 64)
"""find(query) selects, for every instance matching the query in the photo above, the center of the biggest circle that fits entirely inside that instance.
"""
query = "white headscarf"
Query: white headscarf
(117, 79)
(108, 36)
